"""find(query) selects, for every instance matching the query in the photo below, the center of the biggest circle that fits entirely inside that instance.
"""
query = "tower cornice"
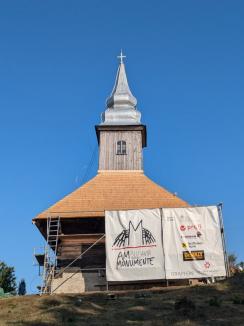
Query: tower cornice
(140, 127)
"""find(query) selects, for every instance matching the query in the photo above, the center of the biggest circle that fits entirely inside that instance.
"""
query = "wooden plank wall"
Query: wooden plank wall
(109, 160)
(71, 247)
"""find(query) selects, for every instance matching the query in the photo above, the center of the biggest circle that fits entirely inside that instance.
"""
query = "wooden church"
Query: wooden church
(74, 227)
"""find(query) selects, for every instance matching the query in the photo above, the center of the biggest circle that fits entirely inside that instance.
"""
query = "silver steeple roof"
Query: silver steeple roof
(121, 104)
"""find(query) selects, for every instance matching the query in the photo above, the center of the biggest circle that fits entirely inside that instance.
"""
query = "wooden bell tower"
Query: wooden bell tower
(121, 136)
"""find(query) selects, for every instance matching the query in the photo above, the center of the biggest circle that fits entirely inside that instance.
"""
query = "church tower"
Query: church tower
(121, 136)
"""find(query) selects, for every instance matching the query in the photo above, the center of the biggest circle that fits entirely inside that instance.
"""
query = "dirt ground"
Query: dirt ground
(218, 304)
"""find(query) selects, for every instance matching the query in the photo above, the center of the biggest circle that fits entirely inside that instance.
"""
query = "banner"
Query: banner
(192, 242)
(134, 248)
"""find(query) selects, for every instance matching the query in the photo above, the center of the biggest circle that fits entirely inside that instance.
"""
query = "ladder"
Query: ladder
(50, 255)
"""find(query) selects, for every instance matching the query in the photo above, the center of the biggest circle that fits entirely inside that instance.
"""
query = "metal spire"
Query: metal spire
(121, 104)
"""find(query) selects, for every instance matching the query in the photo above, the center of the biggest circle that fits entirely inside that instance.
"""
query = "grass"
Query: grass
(218, 304)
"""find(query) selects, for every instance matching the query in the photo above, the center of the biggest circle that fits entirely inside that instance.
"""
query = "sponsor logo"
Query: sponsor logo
(180, 274)
(191, 227)
(199, 234)
(194, 227)
(193, 255)
(182, 228)
(194, 244)
(188, 236)
(207, 264)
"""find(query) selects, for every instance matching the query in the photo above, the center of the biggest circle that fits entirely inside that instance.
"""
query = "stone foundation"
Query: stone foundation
(74, 281)
(68, 283)
(77, 282)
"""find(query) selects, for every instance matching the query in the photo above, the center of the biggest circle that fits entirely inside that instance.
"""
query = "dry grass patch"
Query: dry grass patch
(218, 304)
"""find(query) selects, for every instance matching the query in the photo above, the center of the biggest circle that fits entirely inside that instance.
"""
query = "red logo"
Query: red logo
(194, 227)
(182, 228)
(207, 264)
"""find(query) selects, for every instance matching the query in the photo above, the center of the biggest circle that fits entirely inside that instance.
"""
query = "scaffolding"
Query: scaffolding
(50, 254)
(49, 259)
(74, 260)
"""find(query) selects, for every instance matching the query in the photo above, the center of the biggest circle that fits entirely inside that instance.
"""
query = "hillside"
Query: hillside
(218, 304)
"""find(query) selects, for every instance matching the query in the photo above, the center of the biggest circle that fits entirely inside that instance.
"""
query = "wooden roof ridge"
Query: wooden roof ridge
(112, 190)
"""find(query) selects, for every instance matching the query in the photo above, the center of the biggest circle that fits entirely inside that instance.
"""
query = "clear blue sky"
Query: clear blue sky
(57, 66)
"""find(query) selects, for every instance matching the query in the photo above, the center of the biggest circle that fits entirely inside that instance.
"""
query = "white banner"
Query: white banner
(192, 242)
(134, 248)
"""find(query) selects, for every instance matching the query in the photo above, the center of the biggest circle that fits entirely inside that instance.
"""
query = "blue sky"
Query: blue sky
(57, 66)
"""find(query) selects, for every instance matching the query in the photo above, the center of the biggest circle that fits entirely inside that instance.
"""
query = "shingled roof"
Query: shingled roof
(113, 191)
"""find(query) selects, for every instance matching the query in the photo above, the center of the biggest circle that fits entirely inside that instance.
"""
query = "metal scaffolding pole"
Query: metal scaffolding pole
(227, 265)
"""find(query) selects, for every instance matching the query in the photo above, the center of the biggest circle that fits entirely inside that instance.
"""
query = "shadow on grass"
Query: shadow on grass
(198, 305)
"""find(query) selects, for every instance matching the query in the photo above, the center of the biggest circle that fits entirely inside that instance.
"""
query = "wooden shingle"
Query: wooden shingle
(109, 190)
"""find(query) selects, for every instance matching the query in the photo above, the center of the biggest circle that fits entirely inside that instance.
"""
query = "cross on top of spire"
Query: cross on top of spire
(121, 56)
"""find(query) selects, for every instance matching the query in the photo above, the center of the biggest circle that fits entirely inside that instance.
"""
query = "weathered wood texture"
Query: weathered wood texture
(72, 247)
(70, 239)
(84, 225)
(109, 160)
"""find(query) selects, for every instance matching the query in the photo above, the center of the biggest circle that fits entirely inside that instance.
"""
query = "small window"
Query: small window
(121, 147)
